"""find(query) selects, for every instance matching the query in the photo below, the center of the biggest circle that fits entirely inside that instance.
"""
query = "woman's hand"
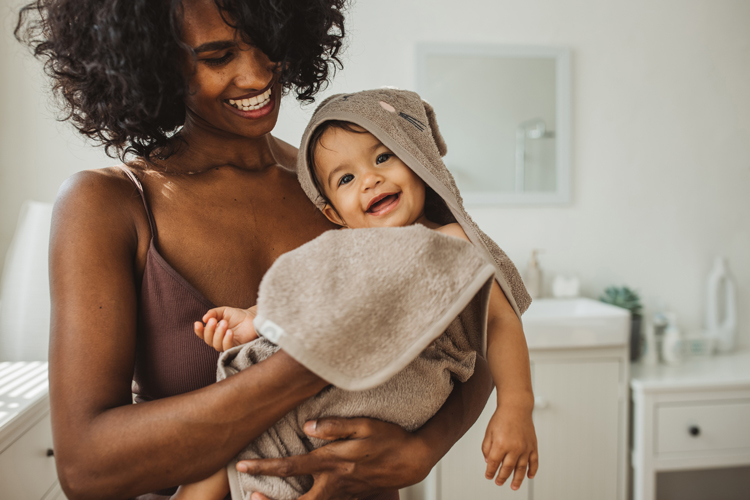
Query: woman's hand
(367, 457)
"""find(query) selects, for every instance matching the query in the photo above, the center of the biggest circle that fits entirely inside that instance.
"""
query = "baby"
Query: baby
(364, 184)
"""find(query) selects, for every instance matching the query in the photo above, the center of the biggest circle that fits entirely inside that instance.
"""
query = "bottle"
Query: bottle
(672, 345)
(721, 319)
(533, 277)
(649, 353)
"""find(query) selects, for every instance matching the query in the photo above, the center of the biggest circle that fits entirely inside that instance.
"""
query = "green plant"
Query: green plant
(623, 297)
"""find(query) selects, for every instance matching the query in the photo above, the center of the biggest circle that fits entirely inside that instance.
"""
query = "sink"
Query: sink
(579, 322)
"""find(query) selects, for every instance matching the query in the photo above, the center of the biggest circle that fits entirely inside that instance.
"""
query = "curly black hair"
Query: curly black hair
(116, 65)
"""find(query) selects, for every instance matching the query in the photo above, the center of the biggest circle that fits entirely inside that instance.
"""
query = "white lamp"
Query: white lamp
(24, 290)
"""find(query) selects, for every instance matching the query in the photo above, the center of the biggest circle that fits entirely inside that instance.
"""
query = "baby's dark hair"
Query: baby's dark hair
(315, 138)
(117, 65)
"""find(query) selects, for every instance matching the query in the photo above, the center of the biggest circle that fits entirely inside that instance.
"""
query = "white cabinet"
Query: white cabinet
(691, 416)
(581, 423)
(579, 428)
(27, 466)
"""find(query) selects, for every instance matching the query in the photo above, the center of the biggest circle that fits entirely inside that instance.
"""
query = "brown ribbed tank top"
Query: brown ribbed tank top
(169, 358)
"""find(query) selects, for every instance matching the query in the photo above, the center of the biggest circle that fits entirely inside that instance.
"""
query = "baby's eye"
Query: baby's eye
(346, 179)
(383, 157)
(218, 61)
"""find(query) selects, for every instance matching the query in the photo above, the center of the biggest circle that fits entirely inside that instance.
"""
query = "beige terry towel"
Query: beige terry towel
(373, 311)
(406, 124)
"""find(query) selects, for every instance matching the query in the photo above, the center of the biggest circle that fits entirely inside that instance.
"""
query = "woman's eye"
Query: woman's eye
(346, 179)
(218, 61)
(383, 157)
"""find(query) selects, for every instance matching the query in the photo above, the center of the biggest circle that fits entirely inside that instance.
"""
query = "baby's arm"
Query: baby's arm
(214, 487)
(226, 327)
(510, 438)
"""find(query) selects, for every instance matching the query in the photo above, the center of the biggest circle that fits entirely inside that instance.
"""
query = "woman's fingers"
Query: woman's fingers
(198, 328)
(320, 490)
(296, 465)
(333, 428)
(259, 496)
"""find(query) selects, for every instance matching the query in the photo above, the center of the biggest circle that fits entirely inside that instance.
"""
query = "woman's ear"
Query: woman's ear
(332, 215)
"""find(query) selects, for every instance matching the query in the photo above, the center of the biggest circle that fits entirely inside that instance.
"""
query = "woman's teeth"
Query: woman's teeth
(252, 103)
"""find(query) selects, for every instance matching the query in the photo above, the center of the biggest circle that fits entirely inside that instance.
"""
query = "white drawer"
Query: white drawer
(709, 426)
(26, 472)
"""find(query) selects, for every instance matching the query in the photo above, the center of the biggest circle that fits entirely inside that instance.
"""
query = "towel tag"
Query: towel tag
(268, 329)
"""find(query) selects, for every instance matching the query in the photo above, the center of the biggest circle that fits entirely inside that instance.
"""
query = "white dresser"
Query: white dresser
(691, 416)
(27, 464)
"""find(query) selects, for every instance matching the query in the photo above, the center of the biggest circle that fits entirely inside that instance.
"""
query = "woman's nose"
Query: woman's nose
(254, 71)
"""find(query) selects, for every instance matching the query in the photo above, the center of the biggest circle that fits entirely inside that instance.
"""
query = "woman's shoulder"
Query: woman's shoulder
(107, 182)
(99, 197)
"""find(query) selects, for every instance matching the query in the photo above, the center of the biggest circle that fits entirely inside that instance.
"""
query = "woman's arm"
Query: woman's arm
(369, 456)
(106, 447)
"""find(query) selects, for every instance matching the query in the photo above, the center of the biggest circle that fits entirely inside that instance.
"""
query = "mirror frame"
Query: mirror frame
(561, 55)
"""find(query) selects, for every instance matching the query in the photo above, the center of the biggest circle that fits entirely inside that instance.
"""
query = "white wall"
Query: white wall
(661, 133)
(36, 152)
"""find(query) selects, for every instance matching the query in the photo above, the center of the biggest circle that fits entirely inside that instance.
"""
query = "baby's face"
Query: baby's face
(365, 182)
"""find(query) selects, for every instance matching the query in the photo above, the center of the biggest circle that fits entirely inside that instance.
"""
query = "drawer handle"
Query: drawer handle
(694, 430)
(50, 452)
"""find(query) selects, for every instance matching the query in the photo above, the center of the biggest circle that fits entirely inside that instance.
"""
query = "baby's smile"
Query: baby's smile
(383, 204)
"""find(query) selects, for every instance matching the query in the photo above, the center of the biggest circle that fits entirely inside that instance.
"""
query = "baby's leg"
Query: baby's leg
(214, 487)
(284, 439)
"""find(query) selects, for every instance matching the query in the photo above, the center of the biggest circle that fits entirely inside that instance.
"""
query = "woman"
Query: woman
(136, 252)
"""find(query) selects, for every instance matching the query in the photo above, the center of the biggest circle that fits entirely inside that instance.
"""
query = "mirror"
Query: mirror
(505, 114)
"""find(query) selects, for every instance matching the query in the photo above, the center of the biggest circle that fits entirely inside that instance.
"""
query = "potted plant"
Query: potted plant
(628, 299)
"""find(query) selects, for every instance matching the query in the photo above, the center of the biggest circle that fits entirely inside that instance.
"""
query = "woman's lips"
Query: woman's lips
(254, 114)
(384, 205)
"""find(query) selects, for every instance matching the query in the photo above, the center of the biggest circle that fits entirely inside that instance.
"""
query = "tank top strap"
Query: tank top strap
(139, 187)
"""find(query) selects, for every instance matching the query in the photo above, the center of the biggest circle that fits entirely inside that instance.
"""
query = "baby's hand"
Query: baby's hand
(510, 440)
(226, 327)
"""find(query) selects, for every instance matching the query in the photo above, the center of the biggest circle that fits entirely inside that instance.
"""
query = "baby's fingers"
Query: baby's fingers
(228, 342)
(216, 313)
(198, 329)
(519, 473)
(218, 339)
(209, 330)
(509, 465)
(493, 458)
(533, 464)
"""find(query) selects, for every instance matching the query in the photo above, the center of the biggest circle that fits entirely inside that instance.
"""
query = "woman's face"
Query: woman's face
(233, 85)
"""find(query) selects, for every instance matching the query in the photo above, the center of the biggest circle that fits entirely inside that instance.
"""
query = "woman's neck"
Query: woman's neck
(200, 147)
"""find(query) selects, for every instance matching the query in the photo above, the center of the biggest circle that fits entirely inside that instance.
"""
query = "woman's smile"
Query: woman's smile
(254, 107)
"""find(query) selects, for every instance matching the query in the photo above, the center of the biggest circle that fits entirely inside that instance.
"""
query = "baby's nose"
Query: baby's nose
(372, 179)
